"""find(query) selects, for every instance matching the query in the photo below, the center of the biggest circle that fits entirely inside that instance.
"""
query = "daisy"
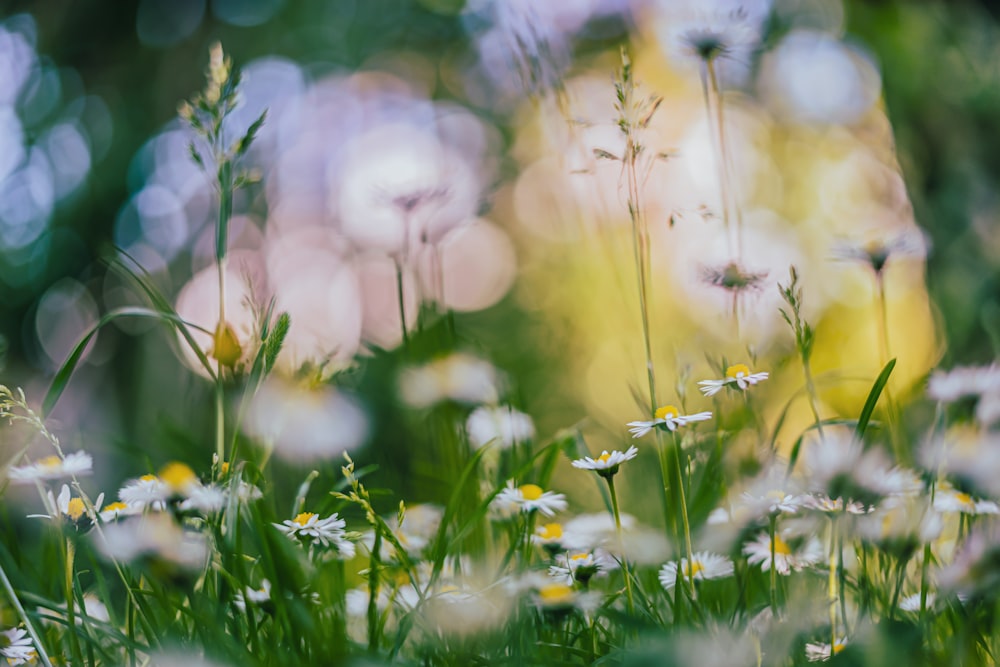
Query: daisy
(116, 510)
(203, 499)
(502, 425)
(948, 499)
(15, 646)
(786, 558)
(667, 416)
(963, 381)
(548, 536)
(819, 652)
(529, 498)
(606, 465)
(704, 565)
(53, 467)
(327, 532)
(706, 32)
(580, 567)
(876, 253)
(148, 490)
(256, 596)
(560, 597)
(824, 503)
(912, 602)
(738, 374)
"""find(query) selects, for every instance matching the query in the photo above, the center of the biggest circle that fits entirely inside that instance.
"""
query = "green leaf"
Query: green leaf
(65, 371)
(873, 396)
(275, 340)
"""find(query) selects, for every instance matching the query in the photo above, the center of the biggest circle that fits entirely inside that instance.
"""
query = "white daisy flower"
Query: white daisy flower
(948, 499)
(963, 381)
(606, 464)
(255, 596)
(528, 498)
(912, 602)
(824, 503)
(501, 425)
(205, 499)
(15, 646)
(669, 417)
(704, 565)
(786, 559)
(549, 535)
(819, 652)
(146, 491)
(53, 467)
(877, 252)
(117, 510)
(460, 377)
(157, 535)
(581, 566)
(326, 532)
(738, 374)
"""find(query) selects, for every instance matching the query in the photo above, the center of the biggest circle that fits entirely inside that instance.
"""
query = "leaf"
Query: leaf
(65, 371)
(275, 340)
(244, 144)
(602, 154)
(873, 396)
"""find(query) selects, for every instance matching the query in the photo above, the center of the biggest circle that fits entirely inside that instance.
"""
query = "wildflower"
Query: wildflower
(549, 536)
(948, 499)
(964, 381)
(560, 597)
(912, 602)
(713, 31)
(786, 558)
(876, 253)
(153, 535)
(256, 596)
(205, 499)
(116, 510)
(818, 652)
(501, 425)
(581, 566)
(15, 646)
(586, 532)
(148, 490)
(53, 467)
(703, 565)
(459, 377)
(326, 532)
(668, 416)
(824, 503)
(529, 498)
(606, 465)
(738, 374)
(841, 467)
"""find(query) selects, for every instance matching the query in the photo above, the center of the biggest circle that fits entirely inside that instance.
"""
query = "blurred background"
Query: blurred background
(853, 121)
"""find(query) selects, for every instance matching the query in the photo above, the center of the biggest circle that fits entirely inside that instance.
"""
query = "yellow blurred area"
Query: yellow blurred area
(805, 191)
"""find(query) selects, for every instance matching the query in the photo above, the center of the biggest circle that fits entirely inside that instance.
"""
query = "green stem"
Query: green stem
(618, 528)
(400, 297)
(833, 587)
(373, 590)
(679, 479)
(23, 615)
(811, 393)
(771, 526)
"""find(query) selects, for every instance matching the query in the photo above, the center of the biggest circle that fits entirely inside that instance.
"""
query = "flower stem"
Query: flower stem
(400, 296)
(618, 528)
(23, 615)
(679, 480)
(771, 526)
(833, 593)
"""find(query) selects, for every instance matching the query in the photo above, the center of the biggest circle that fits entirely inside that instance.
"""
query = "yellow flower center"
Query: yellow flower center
(50, 462)
(781, 547)
(116, 507)
(838, 647)
(737, 371)
(178, 475)
(579, 556)
(667, 412)
(75, 508)
(224, 468)
(531, 491)
(775, 494)
(603, 458)
(148, 478)
(693, 569)
(303, 518)
(964, 498)
(555, 593)
(551, 531)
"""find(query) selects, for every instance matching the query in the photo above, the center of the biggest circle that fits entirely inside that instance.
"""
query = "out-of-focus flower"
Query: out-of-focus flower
(53, 467)
(146, 491)
(841, 467)
(704, 565)
(912, 602)
(458, 377)
(787, 557)
(818, 652)
(254, 596)
(606, 464)
(560, 597)
(586, 532)
(548, 536)
(581, 567)
(738, 374)
(878, 252)
(16, 647)
(116, 510)
(528, 498)
(949, 499)
(154, 535)
(502, 426)
(725, 33)
(667, 416)
(964, 381)
(308, 528)
(306, 423)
